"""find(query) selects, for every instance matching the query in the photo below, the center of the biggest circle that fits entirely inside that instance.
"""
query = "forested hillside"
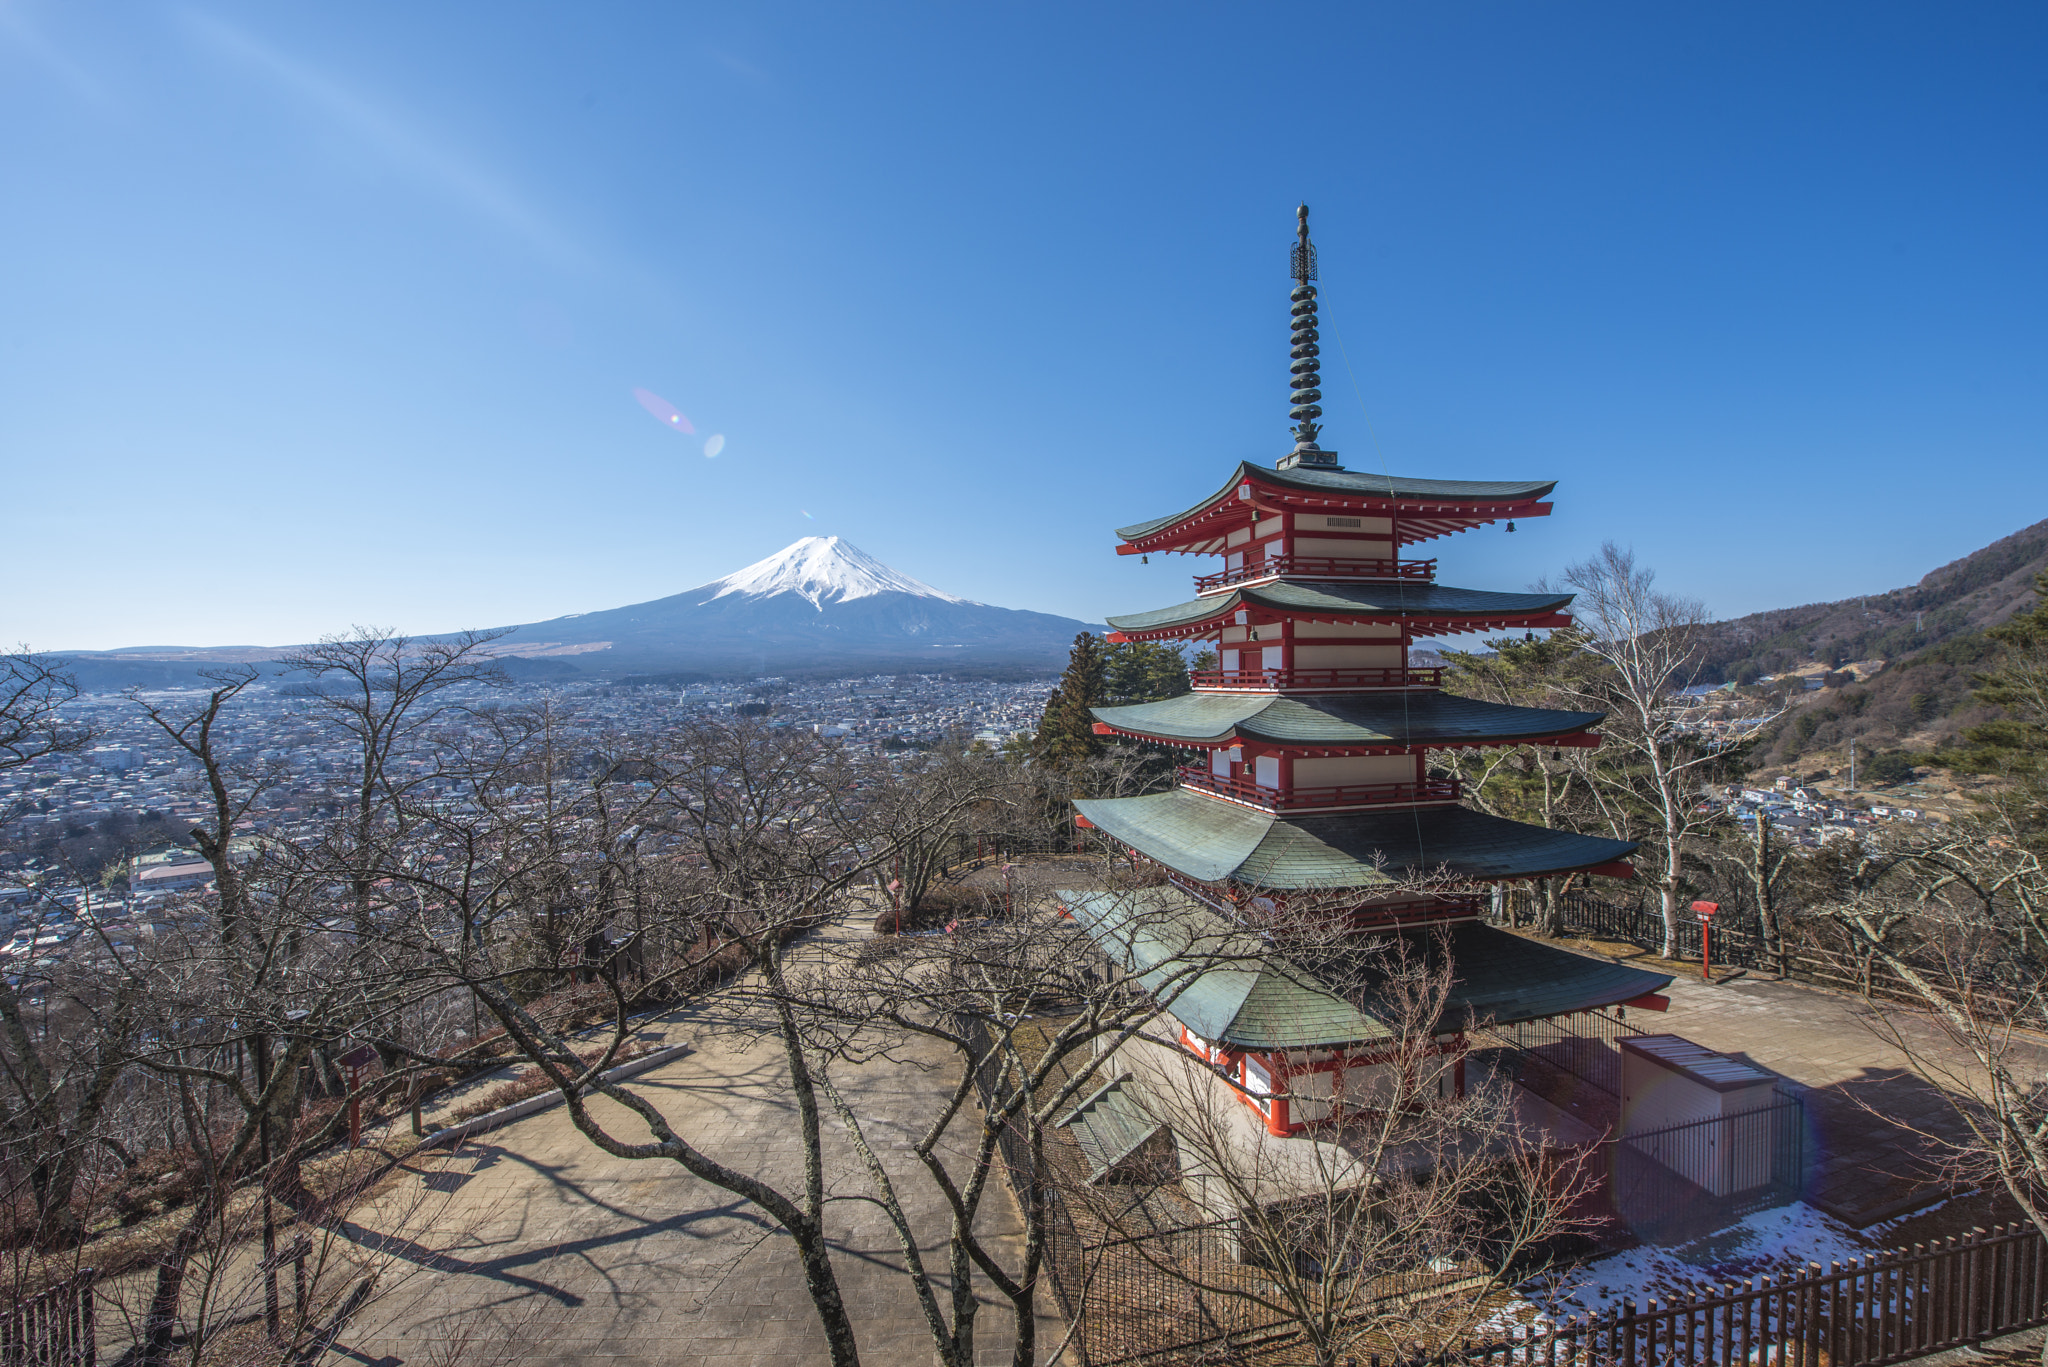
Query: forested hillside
(1916, 652)
(1960, 599)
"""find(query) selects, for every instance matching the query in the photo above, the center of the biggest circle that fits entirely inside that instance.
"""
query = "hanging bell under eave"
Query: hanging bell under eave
(1557, 756)
(1144, 560)
(1511, 526)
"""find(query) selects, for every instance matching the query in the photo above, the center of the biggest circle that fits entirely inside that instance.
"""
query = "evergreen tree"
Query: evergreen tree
(1144, 671)
(1066, 733)
(2015, 746)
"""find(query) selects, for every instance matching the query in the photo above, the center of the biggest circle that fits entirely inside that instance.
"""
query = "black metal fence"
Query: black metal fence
(53, 1328)
(1680, 1181)
(1584, 1045)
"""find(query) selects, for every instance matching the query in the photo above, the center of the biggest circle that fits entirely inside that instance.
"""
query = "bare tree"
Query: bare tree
(1030, 1014)
(240, 994)
(1650, 643)
(382, 691)
(1551, 788)
(60, 1082)
(1389, 1220)
(765, 833)
(33, 692)
(1952, 918)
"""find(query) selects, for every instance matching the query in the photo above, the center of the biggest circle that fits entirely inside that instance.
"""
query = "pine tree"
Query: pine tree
(1066, 733)
(2015, 746)
(1144, 671)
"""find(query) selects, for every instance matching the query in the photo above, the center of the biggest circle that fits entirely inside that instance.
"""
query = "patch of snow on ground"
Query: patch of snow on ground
(1768, 1243)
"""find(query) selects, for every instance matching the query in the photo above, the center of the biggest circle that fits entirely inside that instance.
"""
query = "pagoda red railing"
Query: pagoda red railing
(1317, 567)
(1398, 676)
(1441, 906)
(1294, 799)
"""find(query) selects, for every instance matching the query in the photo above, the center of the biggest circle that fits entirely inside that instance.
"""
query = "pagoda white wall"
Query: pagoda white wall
(1347, 630)
(1315, 522)
(1343, 550)
(1308, 656)
(1352, 770)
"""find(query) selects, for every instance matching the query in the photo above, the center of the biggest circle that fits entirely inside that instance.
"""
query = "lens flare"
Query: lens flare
(664, 412)
(807, 513)
(715, 445)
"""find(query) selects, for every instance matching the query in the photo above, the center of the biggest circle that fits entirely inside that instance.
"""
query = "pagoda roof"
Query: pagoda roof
(1218, 979)
(1397, 601)
(1456, 503)
(1211, 841)
(1227, 986)
(1341, 722)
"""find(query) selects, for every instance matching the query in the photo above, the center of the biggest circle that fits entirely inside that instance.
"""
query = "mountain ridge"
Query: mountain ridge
(1919, 649)
(819, 604)
(1960, 598)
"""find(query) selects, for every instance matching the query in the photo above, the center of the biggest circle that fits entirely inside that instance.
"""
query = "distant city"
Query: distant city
(138, 789)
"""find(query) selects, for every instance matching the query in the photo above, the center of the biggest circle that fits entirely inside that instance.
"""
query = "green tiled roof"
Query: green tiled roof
(1110, 1126)
(1360, 484)
(1217, 979)
(1225, 985)
(1392, 601)
(1211, 840)
(1500, 978)
(1347, 719)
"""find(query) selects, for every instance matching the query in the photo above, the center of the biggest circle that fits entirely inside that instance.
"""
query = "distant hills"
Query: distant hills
(819, 606)
(1961, 598)
(1929, 639)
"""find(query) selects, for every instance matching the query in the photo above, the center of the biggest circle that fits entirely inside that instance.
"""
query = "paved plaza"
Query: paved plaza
(1870, 1116)
(552, 1252)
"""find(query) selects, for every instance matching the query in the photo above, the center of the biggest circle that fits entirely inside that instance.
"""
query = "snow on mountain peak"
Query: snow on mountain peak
(821, 570)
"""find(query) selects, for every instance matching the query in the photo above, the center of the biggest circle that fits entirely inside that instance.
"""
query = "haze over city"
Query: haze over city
(324, 316)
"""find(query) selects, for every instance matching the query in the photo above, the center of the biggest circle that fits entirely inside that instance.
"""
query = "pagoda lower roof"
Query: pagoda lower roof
(1231, 987)
(1214, 841)
(1344, 721)
(1456, 503)
(1440, 605)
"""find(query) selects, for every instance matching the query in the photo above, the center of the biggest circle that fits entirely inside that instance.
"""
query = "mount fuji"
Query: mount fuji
(822, 603)
(818, 606)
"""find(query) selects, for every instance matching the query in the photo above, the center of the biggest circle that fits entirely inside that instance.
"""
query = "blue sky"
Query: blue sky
(318, 314)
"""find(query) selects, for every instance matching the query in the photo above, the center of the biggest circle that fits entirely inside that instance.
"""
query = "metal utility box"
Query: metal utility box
(1678, 1107)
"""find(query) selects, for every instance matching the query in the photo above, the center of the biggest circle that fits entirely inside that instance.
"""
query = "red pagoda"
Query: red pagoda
(1314, 737)
(1315, 732)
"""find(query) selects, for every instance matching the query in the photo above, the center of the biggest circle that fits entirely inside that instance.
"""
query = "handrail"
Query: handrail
(1350, 795)
(1317, 567)
(1396, 676)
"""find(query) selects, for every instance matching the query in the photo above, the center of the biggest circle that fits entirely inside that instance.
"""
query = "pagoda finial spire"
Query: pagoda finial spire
(1304, 369)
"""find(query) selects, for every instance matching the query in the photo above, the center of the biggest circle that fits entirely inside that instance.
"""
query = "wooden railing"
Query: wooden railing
(1398, 676)
(1317, 567)
(1353, 795)
(1886, 1308)
(53, 1328)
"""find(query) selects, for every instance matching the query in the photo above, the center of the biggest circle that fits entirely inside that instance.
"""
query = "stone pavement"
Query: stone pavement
(1876, 1126)
(551, 1251)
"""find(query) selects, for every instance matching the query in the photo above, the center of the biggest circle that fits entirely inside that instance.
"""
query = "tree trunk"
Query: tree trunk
(824, 1288)
(1550, 913)
(1760, 874)
(1668, 892)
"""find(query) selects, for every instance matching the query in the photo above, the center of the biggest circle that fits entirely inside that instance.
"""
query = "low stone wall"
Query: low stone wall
(533, 1105)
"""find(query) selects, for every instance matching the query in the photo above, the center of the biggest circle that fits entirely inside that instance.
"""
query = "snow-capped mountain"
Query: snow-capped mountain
(821, 570)
(820, 605)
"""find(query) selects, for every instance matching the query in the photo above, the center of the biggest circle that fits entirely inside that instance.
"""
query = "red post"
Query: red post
(1705, 911)
(356, 1062)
